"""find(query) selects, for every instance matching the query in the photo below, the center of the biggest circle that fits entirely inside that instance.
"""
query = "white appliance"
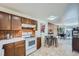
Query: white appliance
(1, 52)
(28, 26)
(30, 45)
(26, 34)
(30, 42)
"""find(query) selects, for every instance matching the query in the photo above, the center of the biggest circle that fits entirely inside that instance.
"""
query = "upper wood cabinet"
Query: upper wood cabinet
(24, 20)
(28, 21)
(5, 21)
(9, 22)
(34, 22)
(16, 22)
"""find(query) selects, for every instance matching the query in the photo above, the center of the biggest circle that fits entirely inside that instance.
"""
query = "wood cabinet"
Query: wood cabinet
(28, 21)
(24, 21)
(38, 42)
(5, 21)
(14, 49)
(19, 48)
(9, 22)
(75, 44)
(16, 22)
(75, 39)
(9, 49)
(34, 22)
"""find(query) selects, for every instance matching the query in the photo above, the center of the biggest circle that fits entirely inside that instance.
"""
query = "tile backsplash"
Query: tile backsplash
(9, 34)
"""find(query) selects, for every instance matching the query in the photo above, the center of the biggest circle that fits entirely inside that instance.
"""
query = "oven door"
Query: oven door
(30, 43)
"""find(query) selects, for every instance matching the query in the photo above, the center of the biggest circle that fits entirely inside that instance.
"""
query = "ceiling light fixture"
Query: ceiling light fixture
(52, 17)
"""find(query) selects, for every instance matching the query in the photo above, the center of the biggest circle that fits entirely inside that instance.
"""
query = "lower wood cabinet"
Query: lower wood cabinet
(9, 49)
(75, 44)
(20, 48)
(14, 49)
(38, 42)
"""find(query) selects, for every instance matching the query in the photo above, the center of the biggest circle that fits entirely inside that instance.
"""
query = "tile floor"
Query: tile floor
(64, 49)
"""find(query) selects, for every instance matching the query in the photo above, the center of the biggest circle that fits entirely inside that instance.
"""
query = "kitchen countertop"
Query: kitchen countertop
(6, 41)
(12, 40)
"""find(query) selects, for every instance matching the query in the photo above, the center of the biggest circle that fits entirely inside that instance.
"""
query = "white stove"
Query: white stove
(30, 43)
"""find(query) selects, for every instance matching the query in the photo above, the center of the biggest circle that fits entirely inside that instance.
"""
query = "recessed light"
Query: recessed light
(52, 17)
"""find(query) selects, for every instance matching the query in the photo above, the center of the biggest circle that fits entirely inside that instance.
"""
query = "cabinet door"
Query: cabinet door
(34, 22)
(25, 20)
(77, 44)
(5, 20)
(16, 22)
(9, 49)
(20, 48)
(38, 42)
(74, 44)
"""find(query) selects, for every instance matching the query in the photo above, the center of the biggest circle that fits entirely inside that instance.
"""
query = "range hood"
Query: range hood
(28, 26)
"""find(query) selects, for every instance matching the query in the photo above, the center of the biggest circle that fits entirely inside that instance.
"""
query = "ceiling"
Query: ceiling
(43, 11)
(38, 10)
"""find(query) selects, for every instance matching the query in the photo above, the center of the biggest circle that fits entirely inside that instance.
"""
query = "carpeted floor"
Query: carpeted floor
(64, 49)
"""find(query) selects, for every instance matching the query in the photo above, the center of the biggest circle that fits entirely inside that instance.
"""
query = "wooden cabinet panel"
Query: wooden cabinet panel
(24, 20)
(14, 49)
(78, 44)
(34, 22)
(19, 50)
(28, 21)
(38, 42)
(9, 49)
(16, 22)
(5, 20)
(75, 44)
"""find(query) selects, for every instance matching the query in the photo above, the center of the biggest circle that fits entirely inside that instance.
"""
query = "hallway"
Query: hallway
(64, 49)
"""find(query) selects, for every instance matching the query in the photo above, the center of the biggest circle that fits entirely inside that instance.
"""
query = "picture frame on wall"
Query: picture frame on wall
(42, 28)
